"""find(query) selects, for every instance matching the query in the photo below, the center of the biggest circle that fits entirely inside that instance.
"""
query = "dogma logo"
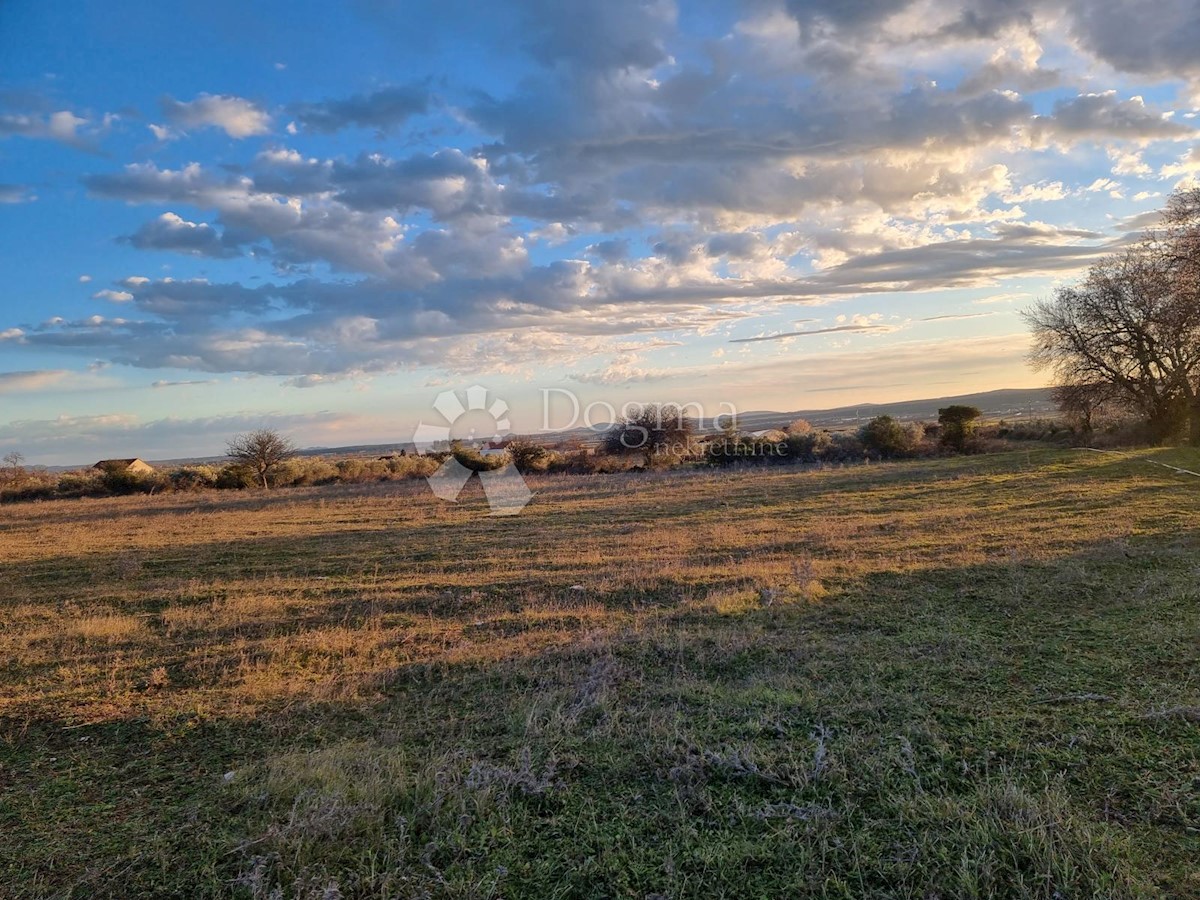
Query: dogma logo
(505, 488)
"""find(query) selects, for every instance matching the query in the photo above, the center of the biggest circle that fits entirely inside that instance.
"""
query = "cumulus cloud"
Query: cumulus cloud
(62, 126)
(1105, 115)
(236, 116)
(549, 310)
(1186, 166)
(1124, 35)
(172, 232)
(637, 178)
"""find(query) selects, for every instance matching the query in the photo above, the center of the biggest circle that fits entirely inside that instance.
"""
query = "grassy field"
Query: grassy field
(951, 678)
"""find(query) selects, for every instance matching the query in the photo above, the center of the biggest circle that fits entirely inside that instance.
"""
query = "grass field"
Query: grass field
(951, 678)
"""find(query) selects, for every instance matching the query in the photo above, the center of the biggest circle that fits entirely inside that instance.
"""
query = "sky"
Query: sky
(317, 217)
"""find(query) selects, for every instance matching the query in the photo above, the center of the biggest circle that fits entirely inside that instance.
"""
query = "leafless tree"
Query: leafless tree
(263, 451)
(1082, 403)
(651, 430)
(1133, 326)
(14, 464)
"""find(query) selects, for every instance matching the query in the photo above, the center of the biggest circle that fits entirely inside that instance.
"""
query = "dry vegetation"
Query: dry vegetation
(959, 677)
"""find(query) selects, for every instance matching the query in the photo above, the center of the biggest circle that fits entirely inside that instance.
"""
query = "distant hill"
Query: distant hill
(1008, 404)
(1014, 403)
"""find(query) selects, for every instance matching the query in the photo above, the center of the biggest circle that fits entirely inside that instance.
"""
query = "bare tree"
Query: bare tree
(14, 464)
(1133, 324)
(651, 430)
(263, 451)
(1083, 403)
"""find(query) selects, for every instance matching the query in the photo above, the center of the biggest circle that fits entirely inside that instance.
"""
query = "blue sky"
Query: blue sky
(315, 217)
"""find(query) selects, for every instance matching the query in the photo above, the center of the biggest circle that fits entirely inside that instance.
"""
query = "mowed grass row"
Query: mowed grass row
(963, 677)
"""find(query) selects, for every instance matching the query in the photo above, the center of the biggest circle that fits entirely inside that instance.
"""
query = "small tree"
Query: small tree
(957, 425)
(262, 451)
(14, 464)
(652, 431)
(888, 437)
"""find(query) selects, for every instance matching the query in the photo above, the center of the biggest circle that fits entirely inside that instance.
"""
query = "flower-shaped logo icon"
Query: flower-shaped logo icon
(505, 488)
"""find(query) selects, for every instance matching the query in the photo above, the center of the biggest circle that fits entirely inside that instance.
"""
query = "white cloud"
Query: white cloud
(164, 133)
(63, 126)
(1041, 192)
(1186, 165)
(236, 116)
(113, 296)
(639, 179)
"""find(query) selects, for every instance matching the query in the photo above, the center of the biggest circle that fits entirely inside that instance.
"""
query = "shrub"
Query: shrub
(890, 439)
(808, 446)
(958, 424)
(726, 450)
(29, 487)
(361, 471)
(412, 466)
(235, 477)
(573, 462)
(79, 484)
(300, 471)
(122, 481)
(844, 447)
(729, 449)
(528, 456)
(474, 460)
(194, 478)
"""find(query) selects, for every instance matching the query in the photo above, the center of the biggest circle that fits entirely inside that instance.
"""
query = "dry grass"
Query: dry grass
(826, 682)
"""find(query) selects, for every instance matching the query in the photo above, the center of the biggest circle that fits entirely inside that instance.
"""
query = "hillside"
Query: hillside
(1012, 404)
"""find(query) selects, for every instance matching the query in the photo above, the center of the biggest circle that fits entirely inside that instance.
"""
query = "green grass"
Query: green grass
(954, 678)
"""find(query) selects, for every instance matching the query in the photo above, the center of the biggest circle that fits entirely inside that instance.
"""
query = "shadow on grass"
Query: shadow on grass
(1015, 729)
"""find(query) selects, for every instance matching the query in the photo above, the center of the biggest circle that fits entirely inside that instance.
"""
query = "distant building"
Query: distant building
(133, 466)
